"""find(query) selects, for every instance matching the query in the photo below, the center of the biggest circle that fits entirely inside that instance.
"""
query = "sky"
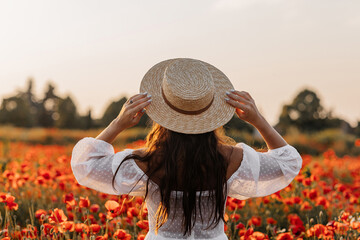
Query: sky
(97, 51)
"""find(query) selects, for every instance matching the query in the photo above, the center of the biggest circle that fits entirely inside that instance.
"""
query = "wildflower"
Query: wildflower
(284, 236)
(84, 202)
(67, 226)
(141, 237)
(271, 221)
(256, 221)
(94, 208)
(121, 234)
(9, 202)
(95, 228)
(132, 212)
(306, 206)
(294, 219)
(143, 224)
(313, 194)
(235, 217)
(81, 228)
(39, 213)
(57, 216)
(240, 226)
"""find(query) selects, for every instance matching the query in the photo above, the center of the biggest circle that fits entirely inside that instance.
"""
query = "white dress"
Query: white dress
(94, 163)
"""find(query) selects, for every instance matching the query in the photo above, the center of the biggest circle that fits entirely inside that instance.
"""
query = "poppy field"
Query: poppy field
(40, 199)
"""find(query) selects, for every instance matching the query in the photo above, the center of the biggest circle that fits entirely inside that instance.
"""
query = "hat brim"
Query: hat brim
(217, 115)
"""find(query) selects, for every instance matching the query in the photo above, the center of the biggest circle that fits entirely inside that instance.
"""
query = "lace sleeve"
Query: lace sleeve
(94, 163)
(261, 174)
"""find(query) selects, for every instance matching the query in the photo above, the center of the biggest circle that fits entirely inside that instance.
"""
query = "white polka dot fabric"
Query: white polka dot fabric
(94, 163)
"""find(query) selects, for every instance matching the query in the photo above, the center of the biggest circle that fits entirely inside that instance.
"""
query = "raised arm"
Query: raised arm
(246, 110)
(129, 116)
(94, 161)
(260, 173)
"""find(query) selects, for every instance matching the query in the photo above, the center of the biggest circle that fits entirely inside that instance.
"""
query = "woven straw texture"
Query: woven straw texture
(189, 85)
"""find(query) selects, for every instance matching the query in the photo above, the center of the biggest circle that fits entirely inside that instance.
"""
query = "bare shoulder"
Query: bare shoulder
(141, 153)
(234, 155)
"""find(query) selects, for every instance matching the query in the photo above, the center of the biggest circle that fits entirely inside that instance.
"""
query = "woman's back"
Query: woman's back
(232, 154)
(94, 164)
(187, 171)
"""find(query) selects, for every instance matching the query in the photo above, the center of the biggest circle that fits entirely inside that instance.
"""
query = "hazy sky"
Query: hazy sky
(98, 51)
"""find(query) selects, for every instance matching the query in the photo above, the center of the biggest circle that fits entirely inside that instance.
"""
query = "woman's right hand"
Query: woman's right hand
(129, 116)
(245, 106)
(133, 110)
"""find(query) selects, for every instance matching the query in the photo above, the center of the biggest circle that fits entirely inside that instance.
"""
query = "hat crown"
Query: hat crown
(188, 85)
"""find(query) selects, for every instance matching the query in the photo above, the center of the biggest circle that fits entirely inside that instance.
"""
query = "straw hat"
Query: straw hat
(188, 95)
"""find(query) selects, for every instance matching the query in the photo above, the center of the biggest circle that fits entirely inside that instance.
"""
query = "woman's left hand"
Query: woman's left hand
(133, 110)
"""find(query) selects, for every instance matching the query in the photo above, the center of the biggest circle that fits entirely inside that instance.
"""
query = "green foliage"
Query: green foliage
(67, 114)
(307, 114)
(25, 110)
(112, 111)
(238, 124)
(16, 111)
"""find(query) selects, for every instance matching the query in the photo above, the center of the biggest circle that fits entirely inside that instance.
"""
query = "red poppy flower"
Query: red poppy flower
(271, 221)
(323, 202)
(81, 228)
(39, 213)
(256, 221)
(94, 208)
(297, 229)
(143, 224)
(284, 236)
(10, 204)
(294, 219)
(307, 182)
(258, 236)
(95, 228)
(132, 212)
(84, 202)
(235, 217)
(141, 237)
(57, 216)
(313, 194)
(240, 226)
(121, 234)
(67, 226)
(305, 206)
(357, 142)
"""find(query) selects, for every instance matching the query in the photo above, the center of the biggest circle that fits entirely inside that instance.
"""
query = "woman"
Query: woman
(188, 167)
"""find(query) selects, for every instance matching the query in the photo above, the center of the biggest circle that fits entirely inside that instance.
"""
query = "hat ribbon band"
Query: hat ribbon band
(184, 111)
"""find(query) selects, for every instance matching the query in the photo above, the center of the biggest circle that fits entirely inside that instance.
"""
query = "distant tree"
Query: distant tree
(237, 123)
(112, 111)
(67, 114)
(16, 111)
(307, 114)
(21, 109)
(357, 129)
(86, 122)
(24, 110)
(49, 107)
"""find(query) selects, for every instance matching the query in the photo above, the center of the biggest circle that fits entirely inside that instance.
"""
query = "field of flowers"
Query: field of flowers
(40, 199)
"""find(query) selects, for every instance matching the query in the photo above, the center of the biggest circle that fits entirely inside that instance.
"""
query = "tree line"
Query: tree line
(24, 109)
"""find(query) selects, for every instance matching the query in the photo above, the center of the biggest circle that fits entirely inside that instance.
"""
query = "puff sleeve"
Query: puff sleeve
(263, 173)
(94, 163)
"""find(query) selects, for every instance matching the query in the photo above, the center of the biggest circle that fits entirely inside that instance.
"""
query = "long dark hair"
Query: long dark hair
(189, 163)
